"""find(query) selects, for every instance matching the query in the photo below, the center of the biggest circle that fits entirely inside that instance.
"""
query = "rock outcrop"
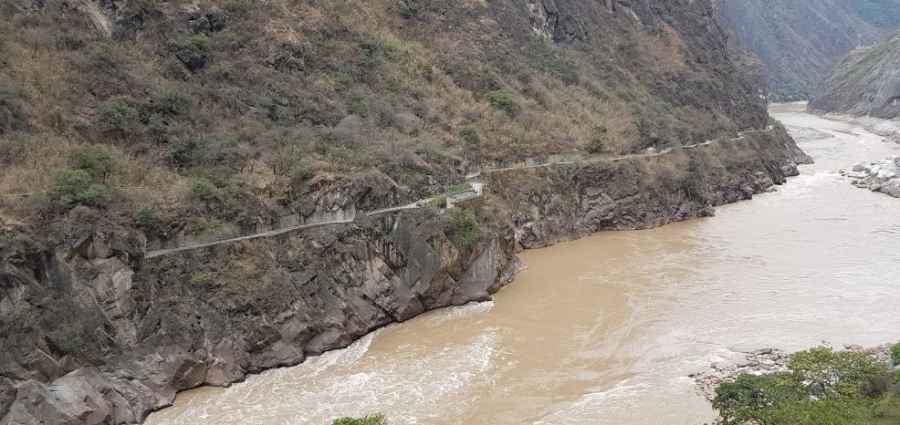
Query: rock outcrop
(879, 176)
(866, 83)
(547, 205)
(94, 334)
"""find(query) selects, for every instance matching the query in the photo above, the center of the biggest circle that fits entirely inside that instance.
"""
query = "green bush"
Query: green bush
(895, 354)
(189, 153)
(117, 114)
(12, 118)
(95, 161)
(146, 217)
(359, 106)
(503, 100)
(368, 420)
(78, 187)
(821, 387)
(470, 136)
(408, 12)
(825, 373)
(459, 188)
(171, 102)
(465, 227)
(599, 140)
(202, 190)
(439, 202)
(193, 51)
(374, 53)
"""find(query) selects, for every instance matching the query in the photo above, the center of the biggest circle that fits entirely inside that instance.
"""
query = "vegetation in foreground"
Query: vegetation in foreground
(368, 420)
(821, 387)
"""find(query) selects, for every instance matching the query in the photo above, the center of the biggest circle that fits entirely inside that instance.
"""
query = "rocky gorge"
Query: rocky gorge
(149, 328)
(175, 120)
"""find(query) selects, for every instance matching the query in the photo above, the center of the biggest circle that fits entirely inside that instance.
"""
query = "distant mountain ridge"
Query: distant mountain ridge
(880, 13)
(800, 41)
(867, 82)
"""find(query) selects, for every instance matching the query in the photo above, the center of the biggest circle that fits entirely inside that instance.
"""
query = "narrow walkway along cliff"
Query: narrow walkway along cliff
(474, 191)
(147, 329)
(285, 152)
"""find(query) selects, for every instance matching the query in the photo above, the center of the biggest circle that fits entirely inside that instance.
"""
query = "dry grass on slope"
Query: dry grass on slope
(223, 110)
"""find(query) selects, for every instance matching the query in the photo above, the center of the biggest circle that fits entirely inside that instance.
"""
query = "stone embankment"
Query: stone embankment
(879, 176)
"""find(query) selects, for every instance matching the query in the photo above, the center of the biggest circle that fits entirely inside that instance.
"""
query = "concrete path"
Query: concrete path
(271, 233)
(476, 192)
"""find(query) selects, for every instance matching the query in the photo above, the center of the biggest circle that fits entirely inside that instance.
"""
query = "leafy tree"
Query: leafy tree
(464, 227)
(78, 187)
(822, 387)
(170, 102)
(824, 373)
(895, 354)
(117, 114)
(95, 161)
(503, 100)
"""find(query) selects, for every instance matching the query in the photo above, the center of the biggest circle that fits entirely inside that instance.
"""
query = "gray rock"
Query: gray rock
(112, 337)
(879, 176)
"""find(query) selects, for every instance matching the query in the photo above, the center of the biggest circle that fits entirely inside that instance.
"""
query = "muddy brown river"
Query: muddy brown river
(606, 330)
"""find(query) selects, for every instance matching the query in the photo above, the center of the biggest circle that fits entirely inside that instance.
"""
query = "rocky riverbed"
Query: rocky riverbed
(879, 176)
(758, 362)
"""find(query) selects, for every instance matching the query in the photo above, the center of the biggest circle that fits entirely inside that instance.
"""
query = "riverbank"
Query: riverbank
(889, 129)
(622, 318)
(148, 329)
(766, 361)
(878, 176)
(821, 385)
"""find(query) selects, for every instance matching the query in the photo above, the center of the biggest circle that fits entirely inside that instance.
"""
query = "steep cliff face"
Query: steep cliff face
(867, 83)
(799, 41)
(184, 119)
(95, 334)
(552, 204)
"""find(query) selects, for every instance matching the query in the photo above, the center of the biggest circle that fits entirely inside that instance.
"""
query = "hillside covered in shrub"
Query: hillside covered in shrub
(175, 115)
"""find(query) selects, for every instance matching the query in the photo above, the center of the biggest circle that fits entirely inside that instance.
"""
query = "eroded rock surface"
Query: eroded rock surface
(879, 176)
(93, 333)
